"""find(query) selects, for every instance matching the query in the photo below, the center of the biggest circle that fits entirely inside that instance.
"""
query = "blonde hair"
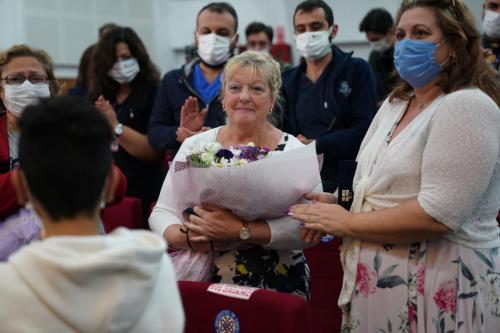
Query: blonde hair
(468, 66)
(258, 63)
(40, 55)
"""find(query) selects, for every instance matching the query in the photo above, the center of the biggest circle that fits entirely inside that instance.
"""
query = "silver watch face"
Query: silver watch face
(244, 234)
(119, 129)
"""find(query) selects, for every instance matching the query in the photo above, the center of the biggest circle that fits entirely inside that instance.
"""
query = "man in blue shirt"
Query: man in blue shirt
(188, 98)
(330, 98)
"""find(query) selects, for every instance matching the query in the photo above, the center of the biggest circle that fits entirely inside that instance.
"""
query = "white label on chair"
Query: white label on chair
(231, 290)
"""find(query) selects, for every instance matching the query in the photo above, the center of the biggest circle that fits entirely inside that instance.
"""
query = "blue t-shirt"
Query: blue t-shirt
(207, 91)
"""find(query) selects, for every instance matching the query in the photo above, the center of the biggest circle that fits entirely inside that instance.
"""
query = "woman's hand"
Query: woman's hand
(325, 218)
(202, 244)
(105, 107)
(310, 236)
(191, 116)
(214, 223)
(322, 197)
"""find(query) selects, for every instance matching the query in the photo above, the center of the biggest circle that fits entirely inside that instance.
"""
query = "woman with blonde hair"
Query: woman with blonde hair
(263, 253)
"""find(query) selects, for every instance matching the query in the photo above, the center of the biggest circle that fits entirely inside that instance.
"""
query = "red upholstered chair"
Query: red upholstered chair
(127, 213)
(265, 311)
(326, 283)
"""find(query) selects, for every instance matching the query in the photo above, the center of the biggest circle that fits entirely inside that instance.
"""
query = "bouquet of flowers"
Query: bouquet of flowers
(253, 182)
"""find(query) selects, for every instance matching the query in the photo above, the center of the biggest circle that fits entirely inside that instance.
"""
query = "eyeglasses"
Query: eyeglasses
(19, 79)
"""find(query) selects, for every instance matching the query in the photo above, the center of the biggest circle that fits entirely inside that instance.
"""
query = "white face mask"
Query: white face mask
(124, 71)
(314, 44)
(491, 24)
(380, 45)
(18, 96)
(213, 49)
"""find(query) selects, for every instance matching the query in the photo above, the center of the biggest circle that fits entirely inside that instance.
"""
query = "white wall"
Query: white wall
(66, 27)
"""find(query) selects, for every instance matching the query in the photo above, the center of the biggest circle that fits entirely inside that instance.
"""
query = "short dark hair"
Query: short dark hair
(377, 20)
(65, 154)
(310, 5)
(258, 27)
(104, 27)
(220, 8)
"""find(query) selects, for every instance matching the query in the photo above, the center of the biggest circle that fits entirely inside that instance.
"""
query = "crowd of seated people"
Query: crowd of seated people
(421, 119)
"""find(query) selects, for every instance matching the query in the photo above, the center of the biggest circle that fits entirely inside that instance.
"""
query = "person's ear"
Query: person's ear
(335, 29)
(111, 184)
(236, 38)
(195, 39)
(20, 186)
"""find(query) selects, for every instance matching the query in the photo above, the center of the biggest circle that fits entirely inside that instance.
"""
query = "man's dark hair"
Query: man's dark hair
(310, 5)
(377, 20)
(258, 27)
(104, 27)
(65, 154)
(220, 8)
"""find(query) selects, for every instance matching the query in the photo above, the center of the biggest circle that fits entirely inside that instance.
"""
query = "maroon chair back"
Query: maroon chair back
(265, 311)
(326, 283)
(128, 214)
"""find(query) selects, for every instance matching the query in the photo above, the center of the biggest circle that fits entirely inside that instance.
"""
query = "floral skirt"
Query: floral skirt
(284, 270)
(431, 286)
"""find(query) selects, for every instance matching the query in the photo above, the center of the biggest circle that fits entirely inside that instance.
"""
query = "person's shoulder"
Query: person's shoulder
(471, 98)
(174, 74)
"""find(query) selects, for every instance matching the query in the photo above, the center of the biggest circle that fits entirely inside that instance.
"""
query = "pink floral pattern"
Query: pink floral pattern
(421, 280)
(446, 297)
(366, 280)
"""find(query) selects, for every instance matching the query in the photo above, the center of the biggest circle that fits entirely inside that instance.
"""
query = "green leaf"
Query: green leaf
(469, 295)
(465, 271)
(389, 326)
(460, 323)
(389, 270)
(451, 331)
(474, 312)
(390, 281)
(483, 258)
(376, 262)
(441, 325)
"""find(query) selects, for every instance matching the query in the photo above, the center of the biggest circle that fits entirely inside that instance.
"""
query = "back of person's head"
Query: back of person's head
(467, 67)
(83, 77)
(377, 20)
(65, 155)
(104, 58)
(310, 5)
(40, 55)
(105, 28)
(220, 8)
(258, 27)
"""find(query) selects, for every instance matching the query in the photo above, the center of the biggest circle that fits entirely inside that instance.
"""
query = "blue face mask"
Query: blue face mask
(415, 61)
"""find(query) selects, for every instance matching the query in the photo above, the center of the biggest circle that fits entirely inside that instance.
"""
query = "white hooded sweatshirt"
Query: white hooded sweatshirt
(122, 282)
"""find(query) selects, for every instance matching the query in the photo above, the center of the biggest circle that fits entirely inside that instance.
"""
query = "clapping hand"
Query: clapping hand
(105, 107)
(191, 116)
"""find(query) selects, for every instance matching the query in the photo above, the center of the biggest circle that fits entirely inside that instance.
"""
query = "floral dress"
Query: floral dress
(447, 159)
(255, 266)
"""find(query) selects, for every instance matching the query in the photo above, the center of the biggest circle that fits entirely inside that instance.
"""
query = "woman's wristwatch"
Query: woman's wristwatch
(118, 130)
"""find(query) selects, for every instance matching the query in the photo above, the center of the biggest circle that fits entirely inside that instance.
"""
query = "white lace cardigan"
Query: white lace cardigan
(447, 158)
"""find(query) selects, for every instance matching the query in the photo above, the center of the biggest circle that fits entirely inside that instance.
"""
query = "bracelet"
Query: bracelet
(186, 231)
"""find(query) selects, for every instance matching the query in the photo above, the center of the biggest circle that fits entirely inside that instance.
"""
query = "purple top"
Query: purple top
(18, 230)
